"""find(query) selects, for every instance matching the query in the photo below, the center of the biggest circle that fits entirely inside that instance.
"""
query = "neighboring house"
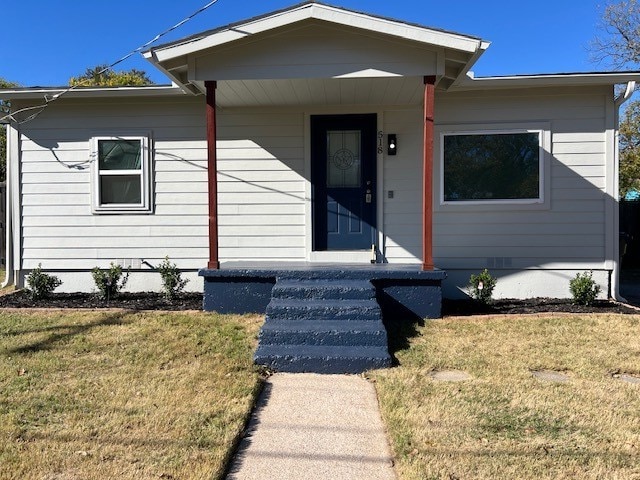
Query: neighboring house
(299, 111)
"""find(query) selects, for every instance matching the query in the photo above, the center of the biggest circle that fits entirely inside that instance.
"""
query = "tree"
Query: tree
(618, 45)
(630, 149)
(103, 76)
(3, 132)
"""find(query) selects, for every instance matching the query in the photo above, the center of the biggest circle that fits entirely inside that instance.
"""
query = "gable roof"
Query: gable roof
(456, 52)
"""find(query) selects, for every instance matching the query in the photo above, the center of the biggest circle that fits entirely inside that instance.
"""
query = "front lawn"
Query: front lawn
(111, 394)
(504, 422)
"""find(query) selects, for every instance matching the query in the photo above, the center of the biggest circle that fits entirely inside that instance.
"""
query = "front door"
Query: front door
(343, 159)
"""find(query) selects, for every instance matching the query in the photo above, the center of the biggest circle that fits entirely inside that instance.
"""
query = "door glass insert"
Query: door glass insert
(343, 158)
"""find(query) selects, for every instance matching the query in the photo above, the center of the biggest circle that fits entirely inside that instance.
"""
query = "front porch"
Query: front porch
(324, 318)
(320, 121)
(320, 147)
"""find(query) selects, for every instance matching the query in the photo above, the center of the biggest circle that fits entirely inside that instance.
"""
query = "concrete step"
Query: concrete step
(324, 289)
(296, 309)
(322, 359)
(328, 332)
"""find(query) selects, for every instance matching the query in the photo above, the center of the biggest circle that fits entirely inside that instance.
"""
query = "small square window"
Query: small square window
(483, 167)
(122, 180)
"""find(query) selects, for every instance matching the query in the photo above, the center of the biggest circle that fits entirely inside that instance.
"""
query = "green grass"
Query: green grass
(101, 395)
(504, 423)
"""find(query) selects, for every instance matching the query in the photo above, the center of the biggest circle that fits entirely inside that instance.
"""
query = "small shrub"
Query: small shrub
(40, 284)
(481, 286)
(172, 281)
(109, 282)
(584, 289)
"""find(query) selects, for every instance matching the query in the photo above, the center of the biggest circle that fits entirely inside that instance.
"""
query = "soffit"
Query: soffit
(320, 92)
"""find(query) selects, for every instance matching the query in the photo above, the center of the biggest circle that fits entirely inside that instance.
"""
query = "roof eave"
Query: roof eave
(482, 47)
(545, 80)
(34, 93)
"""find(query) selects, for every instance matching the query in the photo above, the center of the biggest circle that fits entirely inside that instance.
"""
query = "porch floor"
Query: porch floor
(370, 270)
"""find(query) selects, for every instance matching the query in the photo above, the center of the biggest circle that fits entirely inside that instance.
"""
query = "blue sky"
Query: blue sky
(46, 41)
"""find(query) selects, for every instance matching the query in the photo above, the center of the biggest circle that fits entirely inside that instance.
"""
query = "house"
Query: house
(339, 139)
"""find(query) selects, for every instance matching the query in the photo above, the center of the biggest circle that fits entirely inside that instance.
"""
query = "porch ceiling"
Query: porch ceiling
(319, 92)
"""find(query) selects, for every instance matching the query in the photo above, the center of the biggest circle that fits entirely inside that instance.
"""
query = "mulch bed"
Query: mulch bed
(531, 305)
(129, 301)
(193, 301)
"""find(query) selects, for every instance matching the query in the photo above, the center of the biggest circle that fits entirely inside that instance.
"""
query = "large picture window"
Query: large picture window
(492, 166)
(121, 174)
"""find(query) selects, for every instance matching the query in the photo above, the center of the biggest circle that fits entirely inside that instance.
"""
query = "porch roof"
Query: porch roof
(311, 41)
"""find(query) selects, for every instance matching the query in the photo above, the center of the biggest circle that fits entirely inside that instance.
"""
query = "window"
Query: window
(343, 159)
(122, 181)
(492, 167)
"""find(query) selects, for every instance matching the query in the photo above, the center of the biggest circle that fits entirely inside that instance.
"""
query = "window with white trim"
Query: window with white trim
(492, 167)
(121, 174)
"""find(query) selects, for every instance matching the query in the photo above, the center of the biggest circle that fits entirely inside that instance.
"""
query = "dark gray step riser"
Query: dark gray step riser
(332, 338)
(324, 303)
(300, 364)
(320, 293)
(320, 316)
(316, 311)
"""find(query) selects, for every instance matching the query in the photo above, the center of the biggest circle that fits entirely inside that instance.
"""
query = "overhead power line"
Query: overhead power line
(48, 99)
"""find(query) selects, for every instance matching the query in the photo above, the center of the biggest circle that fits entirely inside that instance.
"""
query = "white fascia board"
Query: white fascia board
(177, 82)
(38, 93)
(231, 34)
(546, 80)
(472, 61)
(397, 29)
(326, 13)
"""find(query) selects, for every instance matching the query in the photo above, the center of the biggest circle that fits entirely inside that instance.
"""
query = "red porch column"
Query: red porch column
(212, 172)
(427, 174)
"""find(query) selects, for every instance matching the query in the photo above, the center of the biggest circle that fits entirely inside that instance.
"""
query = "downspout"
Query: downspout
(8, 253)
(615, 277)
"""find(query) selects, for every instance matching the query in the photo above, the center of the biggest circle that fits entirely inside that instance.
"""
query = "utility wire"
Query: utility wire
(48, 99)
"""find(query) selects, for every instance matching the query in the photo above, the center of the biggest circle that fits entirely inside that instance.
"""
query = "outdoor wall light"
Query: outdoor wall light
(392, 144)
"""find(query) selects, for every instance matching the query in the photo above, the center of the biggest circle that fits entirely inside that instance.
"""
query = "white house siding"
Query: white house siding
(261, 190)
(261, 185)
(315, 51)
(534, 251)
(403, 177)
(59, 230)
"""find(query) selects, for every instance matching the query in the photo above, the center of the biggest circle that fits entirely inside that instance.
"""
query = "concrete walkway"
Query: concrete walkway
(310, 426)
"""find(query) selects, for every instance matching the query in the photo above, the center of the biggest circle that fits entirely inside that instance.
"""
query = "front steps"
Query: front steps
(324, 326)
